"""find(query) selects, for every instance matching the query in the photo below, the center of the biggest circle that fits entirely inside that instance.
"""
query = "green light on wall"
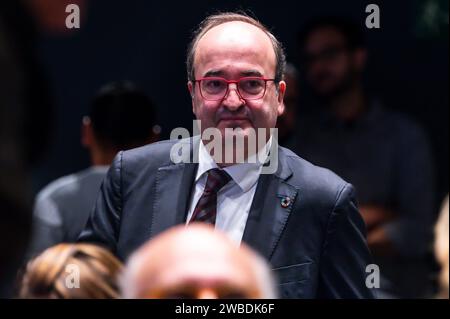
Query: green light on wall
(432, 18)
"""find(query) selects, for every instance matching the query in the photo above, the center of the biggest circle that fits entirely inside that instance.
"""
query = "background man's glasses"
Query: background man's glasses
(248, 88)
(326, 55)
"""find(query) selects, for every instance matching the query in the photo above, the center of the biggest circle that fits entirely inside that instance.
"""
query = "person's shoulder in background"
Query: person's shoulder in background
(66, 188)
(400, 125)
(62, 207)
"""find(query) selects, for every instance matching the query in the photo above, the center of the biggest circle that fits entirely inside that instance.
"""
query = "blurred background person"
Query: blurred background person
(72, 271)
(121, 117)
(287, 122)
(15, 230)
(384, 154)
(25, 116)
(441, 250)
(196, 262)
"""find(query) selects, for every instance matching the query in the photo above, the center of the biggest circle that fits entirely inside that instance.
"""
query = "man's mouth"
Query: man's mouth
(234, 119)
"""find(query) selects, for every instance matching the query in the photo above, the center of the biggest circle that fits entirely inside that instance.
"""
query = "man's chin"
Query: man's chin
(234, 124)
(239, 131)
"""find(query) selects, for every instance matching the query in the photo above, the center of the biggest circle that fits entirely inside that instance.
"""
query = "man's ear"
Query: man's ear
(155, 134)
(280, 97)
(87, 135)
(191, 89)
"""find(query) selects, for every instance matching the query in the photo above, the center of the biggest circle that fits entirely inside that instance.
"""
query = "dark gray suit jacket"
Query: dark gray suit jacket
(316, 245)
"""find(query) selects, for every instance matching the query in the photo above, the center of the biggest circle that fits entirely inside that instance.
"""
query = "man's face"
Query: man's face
(331, 67)
(234, 50)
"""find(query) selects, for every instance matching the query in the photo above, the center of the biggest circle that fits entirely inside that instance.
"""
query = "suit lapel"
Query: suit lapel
(173, 188)
(267, 217)
(269, 212)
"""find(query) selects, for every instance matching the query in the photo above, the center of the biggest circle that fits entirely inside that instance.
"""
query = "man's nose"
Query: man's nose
(207, 293)
(233, 100)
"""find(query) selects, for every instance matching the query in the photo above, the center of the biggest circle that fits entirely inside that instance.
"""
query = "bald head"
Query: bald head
(215, 20)
(195, 262)
(234, 43)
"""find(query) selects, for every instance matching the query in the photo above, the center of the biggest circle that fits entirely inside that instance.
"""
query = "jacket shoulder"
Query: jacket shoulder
(312, 180)
(156, 155)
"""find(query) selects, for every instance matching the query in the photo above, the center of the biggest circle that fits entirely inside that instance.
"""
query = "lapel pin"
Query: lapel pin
(285, 202)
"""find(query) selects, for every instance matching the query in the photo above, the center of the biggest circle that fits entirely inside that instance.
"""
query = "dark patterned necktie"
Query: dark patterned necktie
(206, 208)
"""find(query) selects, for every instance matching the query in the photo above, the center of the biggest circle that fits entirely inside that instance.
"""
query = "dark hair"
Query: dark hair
(122, 116)
(217, 19)
(347, 27)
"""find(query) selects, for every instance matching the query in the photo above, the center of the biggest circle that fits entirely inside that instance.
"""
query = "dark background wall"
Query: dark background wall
(145, 41)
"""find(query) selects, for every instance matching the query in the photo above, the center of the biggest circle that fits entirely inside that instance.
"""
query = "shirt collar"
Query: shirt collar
(245, 175)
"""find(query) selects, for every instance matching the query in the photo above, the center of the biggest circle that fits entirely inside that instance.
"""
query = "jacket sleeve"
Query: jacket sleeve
(104, 222)
(345, 254)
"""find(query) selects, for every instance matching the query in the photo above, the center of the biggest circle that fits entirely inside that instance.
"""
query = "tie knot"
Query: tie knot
(217, 179)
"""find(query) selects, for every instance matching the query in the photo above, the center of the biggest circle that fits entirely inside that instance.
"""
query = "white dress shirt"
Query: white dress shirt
(235, 198)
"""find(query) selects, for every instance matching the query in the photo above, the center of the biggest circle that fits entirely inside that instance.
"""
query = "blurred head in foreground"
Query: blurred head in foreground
(72, 271)
(441, 249)
(196, 262)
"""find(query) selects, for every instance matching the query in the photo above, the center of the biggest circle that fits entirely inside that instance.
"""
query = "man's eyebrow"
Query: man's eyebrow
(243, 73)
(213, 73)
(251, 73)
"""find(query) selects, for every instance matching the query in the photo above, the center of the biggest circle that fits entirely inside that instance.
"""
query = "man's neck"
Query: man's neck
(101, 158)
(349, 105)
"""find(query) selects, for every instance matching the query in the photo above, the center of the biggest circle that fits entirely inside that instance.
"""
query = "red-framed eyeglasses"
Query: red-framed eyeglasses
(248, 88)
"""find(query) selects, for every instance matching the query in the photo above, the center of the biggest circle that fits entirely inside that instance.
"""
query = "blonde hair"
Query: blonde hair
(441, 248)
(48, 274)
